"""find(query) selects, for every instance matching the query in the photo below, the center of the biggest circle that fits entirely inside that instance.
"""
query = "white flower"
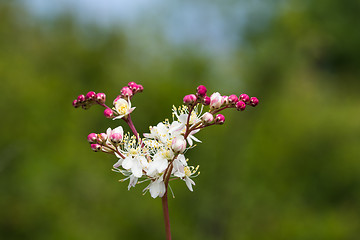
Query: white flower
(156, 188)
(178, 166)
(122, 107)
(159, 163)
(189, 182)
(135, 163)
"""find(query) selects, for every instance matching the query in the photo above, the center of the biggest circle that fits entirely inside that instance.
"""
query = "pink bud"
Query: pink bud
(216, 100)
(108, 113)
(245, 98)
(219, 119)
(201, 90)
(226, 99)
(206, 101)
(126, 92)
(178, 144)
(101, 138)
(189, 99)
(240, 106)
(207, 117)
(75, 103)
(139, 88)
(233, 99)
(95, 147)
(81, 98)
(254, 101)
(92, 137)
(101, 98)
(131, 84)
(90, 95)
(116, 138)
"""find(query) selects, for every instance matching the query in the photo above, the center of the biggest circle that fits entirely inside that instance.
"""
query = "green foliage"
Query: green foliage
(288, 169)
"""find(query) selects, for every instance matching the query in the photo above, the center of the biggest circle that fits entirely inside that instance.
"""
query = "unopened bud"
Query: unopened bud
(101, 138)
(92, 137)
(101, 98)
(254, 101)
(108, 113)
(189, 99)
(245, 98)
(126, 92)
(206, 101)
(216, 100)
(240, 106)
(81, 98)
(201, 90)
(233, 99)
(131, 84)
(75, 103)
(116, 138)
(178, 144)
(207, 118)
(226, 99)
(95, 147)
(90, 96)
(219, 119)
(139, 88)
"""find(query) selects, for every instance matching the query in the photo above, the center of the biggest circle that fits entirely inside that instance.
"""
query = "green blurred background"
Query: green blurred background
(288, 169)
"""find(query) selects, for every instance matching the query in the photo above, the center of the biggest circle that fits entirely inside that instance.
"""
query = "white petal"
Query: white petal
(133, 181)
(118, 163)
(136, 169)
(127, 163)
(189, 182)
(154, 189)
(189, 140)
(194, 138)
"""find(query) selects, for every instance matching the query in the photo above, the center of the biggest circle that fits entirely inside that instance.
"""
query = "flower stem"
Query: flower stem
(164, 201)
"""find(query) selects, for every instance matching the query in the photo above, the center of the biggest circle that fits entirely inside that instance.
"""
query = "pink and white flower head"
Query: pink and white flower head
(108, 113)
(244, 97)
(233, 99)
(122, 107)
(206, 101)
(240, 106)
(92, 137)
(207, 118)
(95, 147)
(190, 99)
(101, 98)
(254, 101)
(201, 91)
(81, 98)
(220, 119)
(216, 100)
(126, 92)
(115, 135)
(178, 144)
(90, 96)
(102, 137)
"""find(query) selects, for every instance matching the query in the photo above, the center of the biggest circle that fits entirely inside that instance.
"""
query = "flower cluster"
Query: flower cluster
(159, 156)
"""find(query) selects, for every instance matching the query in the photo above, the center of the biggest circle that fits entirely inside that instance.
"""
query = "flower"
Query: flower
(216, 100)
(122, 107)
(156, 188)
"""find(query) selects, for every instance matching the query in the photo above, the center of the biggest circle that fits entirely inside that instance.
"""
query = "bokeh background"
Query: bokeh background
(288, 169)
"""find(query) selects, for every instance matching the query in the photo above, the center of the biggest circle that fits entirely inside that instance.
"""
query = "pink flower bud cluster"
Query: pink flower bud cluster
(91, 98)
(106, 142)
(130, 90)
(217, 103)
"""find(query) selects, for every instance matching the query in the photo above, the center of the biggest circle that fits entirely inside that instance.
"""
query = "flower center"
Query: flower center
(187, 171)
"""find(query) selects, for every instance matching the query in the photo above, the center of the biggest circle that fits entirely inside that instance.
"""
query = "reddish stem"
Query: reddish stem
(164, 201)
